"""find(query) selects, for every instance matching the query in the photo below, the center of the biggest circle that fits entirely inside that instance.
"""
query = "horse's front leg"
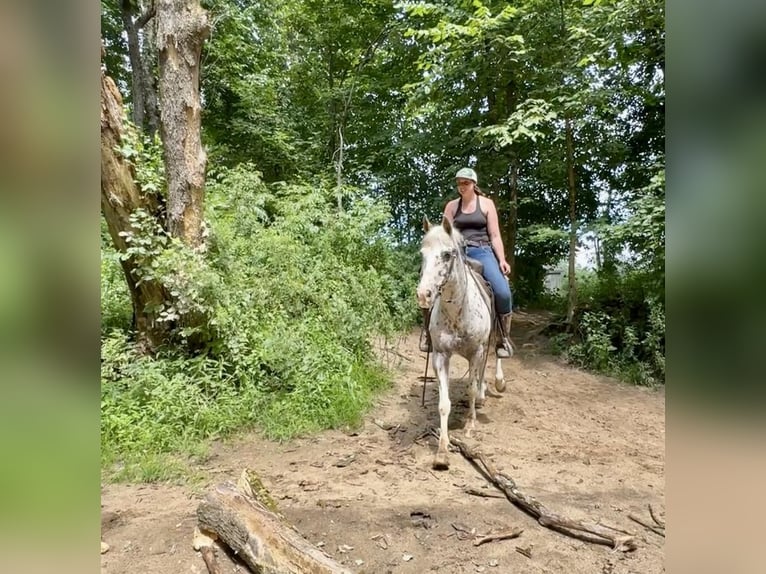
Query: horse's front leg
(499, 377)
(476, 376)
(482, 383)
(441, 368)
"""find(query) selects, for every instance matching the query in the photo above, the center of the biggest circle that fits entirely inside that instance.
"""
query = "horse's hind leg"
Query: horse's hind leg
(481, 382)
(441, 367)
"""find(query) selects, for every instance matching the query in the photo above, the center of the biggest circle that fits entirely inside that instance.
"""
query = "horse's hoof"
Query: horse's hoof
(500, 385)
(440, 462)
(480, 403)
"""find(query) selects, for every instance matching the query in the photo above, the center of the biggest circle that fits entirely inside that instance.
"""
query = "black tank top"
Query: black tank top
(473, 226)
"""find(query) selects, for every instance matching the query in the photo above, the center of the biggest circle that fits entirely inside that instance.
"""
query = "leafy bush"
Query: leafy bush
(620, 327)
(291, 292)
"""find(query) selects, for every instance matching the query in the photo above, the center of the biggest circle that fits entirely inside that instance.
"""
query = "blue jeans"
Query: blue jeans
(495, 277)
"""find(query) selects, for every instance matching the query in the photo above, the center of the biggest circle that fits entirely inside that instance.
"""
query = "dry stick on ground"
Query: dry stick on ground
(204, 542)
(647, 526)
(208, 555)
(507, 535)
(659, 522)
(525, 551)
(395, 352)
(586, 531)
(477, 492)
(601, 523)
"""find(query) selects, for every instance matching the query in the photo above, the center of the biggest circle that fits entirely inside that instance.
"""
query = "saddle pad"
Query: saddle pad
(475, 264)
(485, 288)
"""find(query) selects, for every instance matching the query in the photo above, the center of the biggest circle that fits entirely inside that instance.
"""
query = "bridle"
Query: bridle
(455, 253)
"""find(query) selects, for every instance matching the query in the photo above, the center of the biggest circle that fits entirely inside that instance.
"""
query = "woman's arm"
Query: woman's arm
(493, 230)
(449, 210)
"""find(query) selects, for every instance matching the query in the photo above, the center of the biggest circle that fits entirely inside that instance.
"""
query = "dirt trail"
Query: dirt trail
(585, 446)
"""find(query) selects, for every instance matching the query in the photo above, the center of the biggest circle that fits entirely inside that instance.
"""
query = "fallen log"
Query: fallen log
(582, 530)
(244, 517)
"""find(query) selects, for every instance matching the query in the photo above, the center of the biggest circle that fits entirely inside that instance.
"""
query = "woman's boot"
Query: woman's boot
(503, 348)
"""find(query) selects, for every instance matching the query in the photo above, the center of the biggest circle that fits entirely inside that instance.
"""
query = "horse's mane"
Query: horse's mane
(437, 235)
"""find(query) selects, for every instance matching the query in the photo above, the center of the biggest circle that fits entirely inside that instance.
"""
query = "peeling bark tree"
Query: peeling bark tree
(120, 197)
(182, 27)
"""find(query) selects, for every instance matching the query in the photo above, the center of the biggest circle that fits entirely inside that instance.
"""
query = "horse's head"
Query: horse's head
(439, 250)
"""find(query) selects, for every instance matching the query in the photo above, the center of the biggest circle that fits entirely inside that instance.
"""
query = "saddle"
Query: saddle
(475, 264)
(476, 268)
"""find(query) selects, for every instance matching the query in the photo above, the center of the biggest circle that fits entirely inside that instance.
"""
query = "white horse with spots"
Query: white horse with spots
(461, 321)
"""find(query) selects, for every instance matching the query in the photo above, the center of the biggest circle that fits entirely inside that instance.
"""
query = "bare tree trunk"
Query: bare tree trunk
(511, 102)
(597, 248)
(148, 61)
(572, 302)
(608, 260)
(120, 197)
(136, 66)
(182, 27)
(143, 92)
(339, 170)
(512, 227)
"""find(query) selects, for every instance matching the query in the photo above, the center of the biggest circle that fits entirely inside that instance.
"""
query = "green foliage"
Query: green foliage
(115, 44)
(620, 328)
(291, 291)
(145, 154)
(116, 311)
(524, 123)
(537, 246)
(152, 408)
(643, 231)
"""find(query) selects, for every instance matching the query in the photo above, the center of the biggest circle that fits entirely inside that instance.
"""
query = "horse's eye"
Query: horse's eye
(447, 255)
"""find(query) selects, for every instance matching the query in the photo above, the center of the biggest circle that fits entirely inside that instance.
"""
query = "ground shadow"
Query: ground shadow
(421, 404)
(423, 415)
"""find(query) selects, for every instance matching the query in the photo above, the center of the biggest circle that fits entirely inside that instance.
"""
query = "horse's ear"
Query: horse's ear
(447, 225)
(426, 224)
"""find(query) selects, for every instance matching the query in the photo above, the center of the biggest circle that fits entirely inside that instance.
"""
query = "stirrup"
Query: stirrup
(504, 350)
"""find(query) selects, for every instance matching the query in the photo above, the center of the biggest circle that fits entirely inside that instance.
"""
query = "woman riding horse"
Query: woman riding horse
(475, 216)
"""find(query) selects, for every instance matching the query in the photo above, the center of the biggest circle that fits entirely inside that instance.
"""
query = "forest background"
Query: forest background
(329, 130)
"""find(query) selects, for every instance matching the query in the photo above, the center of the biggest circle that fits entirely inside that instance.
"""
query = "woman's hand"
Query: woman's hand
(505, 268)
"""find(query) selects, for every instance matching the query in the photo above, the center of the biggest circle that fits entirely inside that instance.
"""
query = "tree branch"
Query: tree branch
(507, 535)
(657, 531)
(582, 530)
(659, 522)
(146, 16)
